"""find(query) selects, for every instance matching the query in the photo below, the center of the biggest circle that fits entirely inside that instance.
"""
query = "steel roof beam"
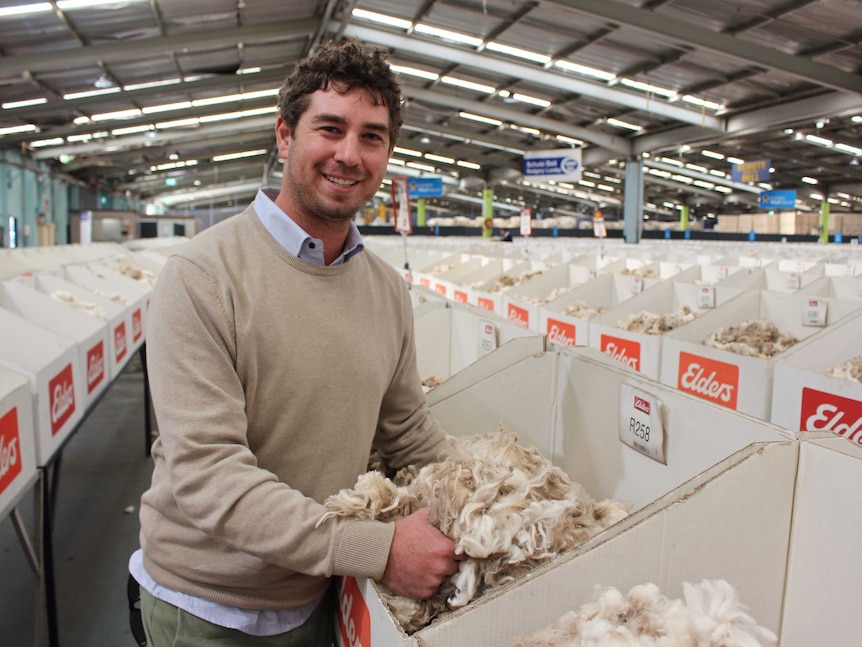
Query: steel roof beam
(69, 58)
(703, 38)
(536, 75)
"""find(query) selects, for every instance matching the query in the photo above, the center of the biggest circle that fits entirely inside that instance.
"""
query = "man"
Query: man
(279, 352)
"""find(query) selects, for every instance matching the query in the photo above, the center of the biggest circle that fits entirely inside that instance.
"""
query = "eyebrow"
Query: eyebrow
(338, 119)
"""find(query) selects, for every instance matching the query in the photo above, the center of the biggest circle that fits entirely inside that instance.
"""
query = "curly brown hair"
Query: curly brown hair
(343, 67)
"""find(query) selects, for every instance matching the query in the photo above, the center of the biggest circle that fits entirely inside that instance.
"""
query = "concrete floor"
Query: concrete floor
(104, 470)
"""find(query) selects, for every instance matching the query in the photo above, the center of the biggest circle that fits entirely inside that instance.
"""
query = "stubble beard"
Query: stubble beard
(325, 211)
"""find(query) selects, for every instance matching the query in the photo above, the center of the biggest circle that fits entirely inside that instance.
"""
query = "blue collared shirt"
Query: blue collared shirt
(294, 238)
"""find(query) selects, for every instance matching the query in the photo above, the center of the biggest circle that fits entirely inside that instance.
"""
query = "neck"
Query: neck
(333, 234)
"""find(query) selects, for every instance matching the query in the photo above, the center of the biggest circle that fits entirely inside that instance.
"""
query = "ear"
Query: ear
(282, 136)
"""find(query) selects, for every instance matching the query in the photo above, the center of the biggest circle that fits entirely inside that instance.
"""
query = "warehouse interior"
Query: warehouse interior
(155, 118)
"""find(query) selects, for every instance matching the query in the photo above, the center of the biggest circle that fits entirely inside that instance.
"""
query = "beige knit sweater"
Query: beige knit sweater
(271, 378)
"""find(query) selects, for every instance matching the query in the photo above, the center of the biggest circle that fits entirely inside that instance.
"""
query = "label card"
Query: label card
(641, 425)
(794, 281)
(637, 285)
(487, 337)
(706, 297)
(814, 312)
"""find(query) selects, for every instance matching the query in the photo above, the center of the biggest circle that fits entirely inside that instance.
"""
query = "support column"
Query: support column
(633, 205)
(824, 222)
(487, 213)
(683, 218)
(420, 212)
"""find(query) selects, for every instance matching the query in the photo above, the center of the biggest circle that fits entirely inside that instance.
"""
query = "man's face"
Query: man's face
(336, 157)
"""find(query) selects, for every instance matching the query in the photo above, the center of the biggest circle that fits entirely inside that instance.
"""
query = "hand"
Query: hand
(420, 558)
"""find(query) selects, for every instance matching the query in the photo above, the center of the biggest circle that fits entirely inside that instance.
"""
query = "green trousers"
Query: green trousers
(168, 626)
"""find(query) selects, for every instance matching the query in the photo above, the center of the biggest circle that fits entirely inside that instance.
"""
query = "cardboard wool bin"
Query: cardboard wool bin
(12, 265)
(522, 302)
(90, 334)
(567, 404)
(114, 286)
(605, 291)
(772, 279)
(737, 381)
(640, 351)
(51, 363)
(488, 294)
(116, 317)
(17, 439)
(450, 337)
(838, 287)
(806, 398)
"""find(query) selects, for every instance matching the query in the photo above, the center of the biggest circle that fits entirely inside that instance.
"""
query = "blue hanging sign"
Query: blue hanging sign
(425, 187)
(778, 199)
(562, 164)
(754, 171)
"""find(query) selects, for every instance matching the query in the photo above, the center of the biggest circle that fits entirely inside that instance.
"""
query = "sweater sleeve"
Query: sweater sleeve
(207, 479)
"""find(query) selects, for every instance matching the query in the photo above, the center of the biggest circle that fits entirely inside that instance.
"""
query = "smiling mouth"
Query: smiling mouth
(341, 181)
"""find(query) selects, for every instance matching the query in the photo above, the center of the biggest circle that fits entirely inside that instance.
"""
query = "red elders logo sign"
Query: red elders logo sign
(708, 379)
(61, 391)
(137, 328)
(10, 455)
(623, 350)
(642, 405)
(460, 296)
(354, 621)
(560, 332)
(519, 316)
(486, 304)
(95, 366)
(120, 341)
(425, 283)
(440, 288)
(829, 412)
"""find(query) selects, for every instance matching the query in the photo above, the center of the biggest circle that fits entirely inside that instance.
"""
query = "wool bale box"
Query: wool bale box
(729, 379)
(57, 382)
(128, 292)
(117, 318)
(451, 336)
(17, 439)
(566, 403)
(90, 334)
(806, 398)
(640, 351)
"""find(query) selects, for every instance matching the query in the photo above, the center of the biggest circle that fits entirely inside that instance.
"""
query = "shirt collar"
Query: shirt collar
(294, 238)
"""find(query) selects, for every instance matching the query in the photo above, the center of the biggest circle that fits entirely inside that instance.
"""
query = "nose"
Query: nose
(347, 151)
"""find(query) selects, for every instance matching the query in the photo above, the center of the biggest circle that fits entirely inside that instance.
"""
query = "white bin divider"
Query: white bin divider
(824, 570)
(89, 333)
(118, 318)
(17, 439)
(729, 379)
(805, 397)
(431, 322)
(56, 379)
(451, 338)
